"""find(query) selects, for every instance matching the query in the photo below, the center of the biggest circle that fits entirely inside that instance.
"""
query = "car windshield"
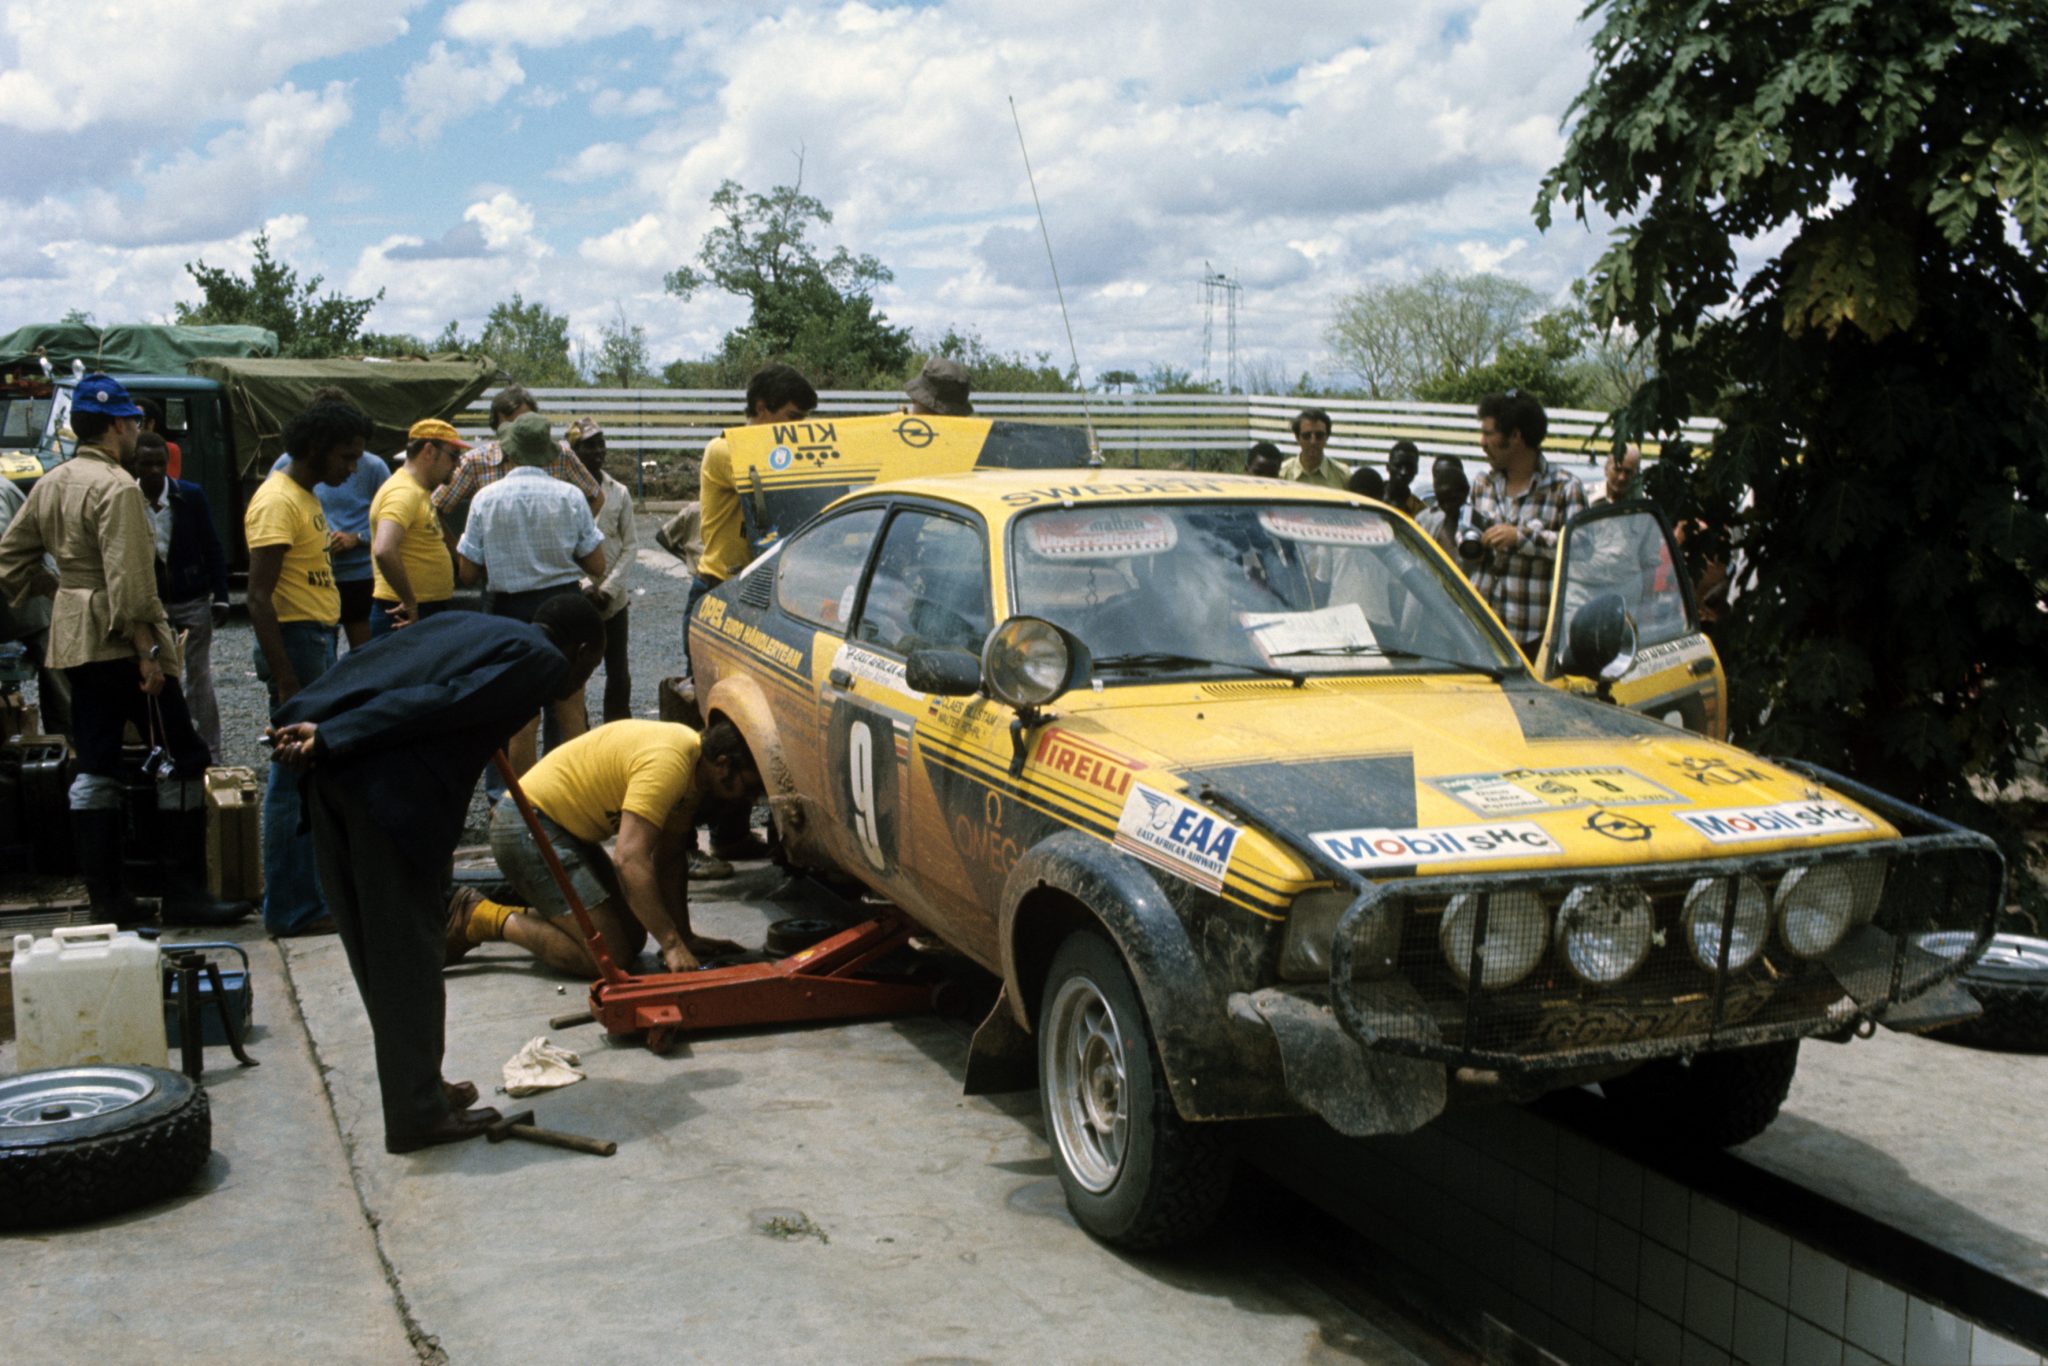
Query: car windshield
(1261, 588)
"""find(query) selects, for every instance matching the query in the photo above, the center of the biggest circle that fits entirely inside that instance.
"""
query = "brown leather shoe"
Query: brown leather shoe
(708, 868)
(459, 1094)
(455, 945)
(459, 1125)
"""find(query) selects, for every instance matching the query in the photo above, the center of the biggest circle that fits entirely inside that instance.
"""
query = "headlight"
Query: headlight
(1814, 906)
(1866, 880)
(1307, 951)
(1707, 903)
(1516, 932)
(1026, 662)
(1605, 931)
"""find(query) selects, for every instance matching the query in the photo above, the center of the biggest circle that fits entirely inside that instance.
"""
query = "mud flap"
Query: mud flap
(1950, 1003)
(1002, 1056)
(1356, 1091)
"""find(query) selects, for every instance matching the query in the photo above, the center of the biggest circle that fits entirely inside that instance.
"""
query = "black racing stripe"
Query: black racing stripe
(1544, 713)
(1307, 795)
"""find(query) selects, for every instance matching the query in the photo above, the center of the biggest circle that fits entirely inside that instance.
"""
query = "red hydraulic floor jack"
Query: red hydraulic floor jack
(827, 981)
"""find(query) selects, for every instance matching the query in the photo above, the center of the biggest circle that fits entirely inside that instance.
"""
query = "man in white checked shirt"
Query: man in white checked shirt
(1520, 507)
(534, 537)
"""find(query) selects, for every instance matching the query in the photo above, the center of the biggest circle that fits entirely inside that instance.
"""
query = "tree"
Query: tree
(997, 372)
(1880, 379)
(272, 296)
(818, 315)
(622, 361)
(529, 341)
(1399, 336)
(1113, 381)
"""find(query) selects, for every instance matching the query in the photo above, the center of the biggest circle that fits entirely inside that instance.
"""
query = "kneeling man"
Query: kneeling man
(649, 783)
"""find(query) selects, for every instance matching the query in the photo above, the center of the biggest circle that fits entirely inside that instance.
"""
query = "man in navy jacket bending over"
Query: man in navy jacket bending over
(392, 740)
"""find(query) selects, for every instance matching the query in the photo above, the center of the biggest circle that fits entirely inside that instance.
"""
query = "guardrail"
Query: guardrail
(1213, 429)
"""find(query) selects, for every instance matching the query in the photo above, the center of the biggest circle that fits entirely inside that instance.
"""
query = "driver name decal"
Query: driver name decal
(1784, 820)
(1177, 835)
(1384, 848)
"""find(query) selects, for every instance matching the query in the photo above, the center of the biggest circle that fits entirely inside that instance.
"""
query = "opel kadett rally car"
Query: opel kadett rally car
(1256, 809)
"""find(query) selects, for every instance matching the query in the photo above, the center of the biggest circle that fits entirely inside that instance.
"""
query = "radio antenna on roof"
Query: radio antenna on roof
(1087, 417)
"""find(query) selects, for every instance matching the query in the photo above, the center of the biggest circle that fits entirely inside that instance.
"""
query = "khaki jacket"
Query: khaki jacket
(88, 514)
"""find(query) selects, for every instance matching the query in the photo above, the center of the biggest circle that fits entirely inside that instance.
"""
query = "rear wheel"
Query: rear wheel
(1135, 1173)
(1711, 1099)
(85, 1142)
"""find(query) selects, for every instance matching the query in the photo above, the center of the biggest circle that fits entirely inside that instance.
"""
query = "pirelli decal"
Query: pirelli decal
(1085, 763)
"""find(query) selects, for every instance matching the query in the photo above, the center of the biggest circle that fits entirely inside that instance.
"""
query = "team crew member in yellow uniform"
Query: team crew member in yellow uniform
(412, 561)
(647, 782)
(294, 608)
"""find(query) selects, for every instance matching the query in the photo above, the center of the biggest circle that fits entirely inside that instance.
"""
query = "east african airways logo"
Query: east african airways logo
(1177, 835)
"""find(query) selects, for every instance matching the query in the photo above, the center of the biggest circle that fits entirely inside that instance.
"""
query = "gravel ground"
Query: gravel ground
(660, 585)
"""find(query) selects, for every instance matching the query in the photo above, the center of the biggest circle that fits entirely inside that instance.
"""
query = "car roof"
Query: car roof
(1004, 492)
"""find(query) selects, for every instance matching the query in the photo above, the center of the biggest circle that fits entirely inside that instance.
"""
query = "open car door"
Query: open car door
(786, 472)
(1626, 550)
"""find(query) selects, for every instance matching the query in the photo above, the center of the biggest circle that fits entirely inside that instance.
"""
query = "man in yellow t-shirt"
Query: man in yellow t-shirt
(777, 394)
(647, 782)
(412, 563)
(294, 608)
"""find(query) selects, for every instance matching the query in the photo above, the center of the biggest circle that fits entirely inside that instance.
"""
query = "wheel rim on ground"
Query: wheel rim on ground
(74, 1093)
(1086, 1086)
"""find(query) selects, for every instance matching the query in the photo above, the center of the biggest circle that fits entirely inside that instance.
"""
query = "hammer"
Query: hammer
(521, 1125)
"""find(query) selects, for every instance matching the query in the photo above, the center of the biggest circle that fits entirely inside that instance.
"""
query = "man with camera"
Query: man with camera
(1519, 510)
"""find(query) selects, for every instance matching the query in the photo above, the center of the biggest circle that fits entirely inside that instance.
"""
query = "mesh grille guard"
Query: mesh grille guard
(1944, 880)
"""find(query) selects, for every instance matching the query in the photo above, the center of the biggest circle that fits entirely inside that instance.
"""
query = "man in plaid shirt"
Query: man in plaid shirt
(486, 465)
(1521, 506)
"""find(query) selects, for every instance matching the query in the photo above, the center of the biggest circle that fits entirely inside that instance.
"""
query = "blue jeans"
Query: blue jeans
(380, 620)
(291, 880)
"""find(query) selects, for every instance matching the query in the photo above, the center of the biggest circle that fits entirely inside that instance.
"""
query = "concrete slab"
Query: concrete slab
(267, 1255)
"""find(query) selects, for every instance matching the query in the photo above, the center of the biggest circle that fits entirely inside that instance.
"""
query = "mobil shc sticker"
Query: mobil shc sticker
(1383, 848)
(1177, 835)
(1733, 825)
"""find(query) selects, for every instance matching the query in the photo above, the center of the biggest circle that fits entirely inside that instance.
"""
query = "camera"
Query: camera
(160, 765)
(1470, 546)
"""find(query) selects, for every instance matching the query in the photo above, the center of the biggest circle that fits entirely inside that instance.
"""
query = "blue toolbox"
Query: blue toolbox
(236, 994)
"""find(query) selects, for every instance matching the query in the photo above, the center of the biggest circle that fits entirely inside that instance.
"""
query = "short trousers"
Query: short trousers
(520, 860)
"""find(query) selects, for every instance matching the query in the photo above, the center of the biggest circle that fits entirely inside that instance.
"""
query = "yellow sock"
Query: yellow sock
(487, 921)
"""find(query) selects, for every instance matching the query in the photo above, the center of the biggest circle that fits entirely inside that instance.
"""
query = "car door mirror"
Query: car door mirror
(1602, 641)
(942, 673)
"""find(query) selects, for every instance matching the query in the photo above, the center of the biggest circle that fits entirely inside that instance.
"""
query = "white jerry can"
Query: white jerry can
(87, 994)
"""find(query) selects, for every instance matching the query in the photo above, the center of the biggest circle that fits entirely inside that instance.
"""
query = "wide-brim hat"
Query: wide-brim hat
(434, 429)
(581, 430)
(529, 440)
(104, 395)
(943, 387)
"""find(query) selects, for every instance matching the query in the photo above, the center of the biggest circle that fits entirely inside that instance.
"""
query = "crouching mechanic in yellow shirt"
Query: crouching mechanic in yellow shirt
(649, 783)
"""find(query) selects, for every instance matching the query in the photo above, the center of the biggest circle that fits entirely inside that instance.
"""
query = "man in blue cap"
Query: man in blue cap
(110, 636)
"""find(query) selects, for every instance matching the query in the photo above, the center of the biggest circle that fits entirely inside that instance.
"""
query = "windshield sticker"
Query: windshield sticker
(1110, 533)
(1332, 527)
(1177, 835)
(1523, 791)
(1281, 635)
(867, 666)
(1065, 753)
(1382, 848)
(1785, 820)
(1077, 493)
(20, 464)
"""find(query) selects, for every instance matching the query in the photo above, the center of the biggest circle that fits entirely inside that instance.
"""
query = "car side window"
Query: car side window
(930, 587)
(819, 570)
(1629, 555)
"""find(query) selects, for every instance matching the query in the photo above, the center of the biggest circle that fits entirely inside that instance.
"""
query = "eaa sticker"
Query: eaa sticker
(1100, 534)
(1326, 526)
(1379, 847)
(1177, 835)
(1786, 820)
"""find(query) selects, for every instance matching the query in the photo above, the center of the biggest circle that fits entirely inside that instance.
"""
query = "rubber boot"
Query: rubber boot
(97, 833)
(186, 898)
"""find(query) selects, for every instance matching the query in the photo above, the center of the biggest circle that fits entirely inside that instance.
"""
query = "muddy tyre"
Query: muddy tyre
(2011, 982)
(785, 937)
(1714, 1100)
(1135, 1173)
(80, 1143)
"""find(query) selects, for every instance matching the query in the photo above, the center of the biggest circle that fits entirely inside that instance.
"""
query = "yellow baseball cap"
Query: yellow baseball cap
(434, 429)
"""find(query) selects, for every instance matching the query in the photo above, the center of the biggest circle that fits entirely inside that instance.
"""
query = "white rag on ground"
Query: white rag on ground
(540, 1066)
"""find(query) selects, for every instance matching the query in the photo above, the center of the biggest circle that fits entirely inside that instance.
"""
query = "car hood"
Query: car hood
(1406, 775)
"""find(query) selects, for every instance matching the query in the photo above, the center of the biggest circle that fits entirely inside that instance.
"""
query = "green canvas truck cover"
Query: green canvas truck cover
(132, 349)
(264, 395)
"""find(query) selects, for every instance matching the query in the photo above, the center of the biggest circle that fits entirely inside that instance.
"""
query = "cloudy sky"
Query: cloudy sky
(450, 154)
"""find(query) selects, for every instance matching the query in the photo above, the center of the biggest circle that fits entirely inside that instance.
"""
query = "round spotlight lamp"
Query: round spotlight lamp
(1705, 906)
(1605, 931)
(1027, 662)
(1814, 906)
(1516, 933)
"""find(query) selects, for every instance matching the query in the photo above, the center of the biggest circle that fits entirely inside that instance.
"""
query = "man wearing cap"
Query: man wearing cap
(111, 637)
(486, 465)
(536, 539)
(615, 520)
(411, 554)
(941, 389)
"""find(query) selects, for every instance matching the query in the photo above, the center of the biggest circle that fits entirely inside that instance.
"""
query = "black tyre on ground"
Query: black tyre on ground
(2011, 982)
(1135, 1173)
(785, 937)
(1713, 1100)
(85, 1142)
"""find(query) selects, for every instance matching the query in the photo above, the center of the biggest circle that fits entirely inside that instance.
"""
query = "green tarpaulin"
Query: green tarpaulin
(139, 349)
(264, 395)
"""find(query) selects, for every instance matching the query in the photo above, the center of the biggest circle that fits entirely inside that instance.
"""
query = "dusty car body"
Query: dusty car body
(1256, 811)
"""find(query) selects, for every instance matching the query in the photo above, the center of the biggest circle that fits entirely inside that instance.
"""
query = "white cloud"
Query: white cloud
(448, 87)
(555, 23)
(647, 100)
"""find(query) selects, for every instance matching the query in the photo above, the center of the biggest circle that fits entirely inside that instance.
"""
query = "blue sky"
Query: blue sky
(453, 153)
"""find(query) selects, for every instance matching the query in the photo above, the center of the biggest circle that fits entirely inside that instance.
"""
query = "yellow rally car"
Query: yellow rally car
(1257, 811)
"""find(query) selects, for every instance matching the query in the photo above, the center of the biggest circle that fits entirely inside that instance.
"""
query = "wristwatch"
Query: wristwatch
(154, 651)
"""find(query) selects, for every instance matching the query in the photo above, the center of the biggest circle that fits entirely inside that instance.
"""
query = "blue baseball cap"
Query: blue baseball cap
(104, 395)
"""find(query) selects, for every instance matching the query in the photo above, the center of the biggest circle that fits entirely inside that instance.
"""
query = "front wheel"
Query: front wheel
(1135, 1173)
(1714, 1100)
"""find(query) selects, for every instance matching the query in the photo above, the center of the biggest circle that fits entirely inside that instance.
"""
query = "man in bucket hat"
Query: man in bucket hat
(111, 637)
(941, 389)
